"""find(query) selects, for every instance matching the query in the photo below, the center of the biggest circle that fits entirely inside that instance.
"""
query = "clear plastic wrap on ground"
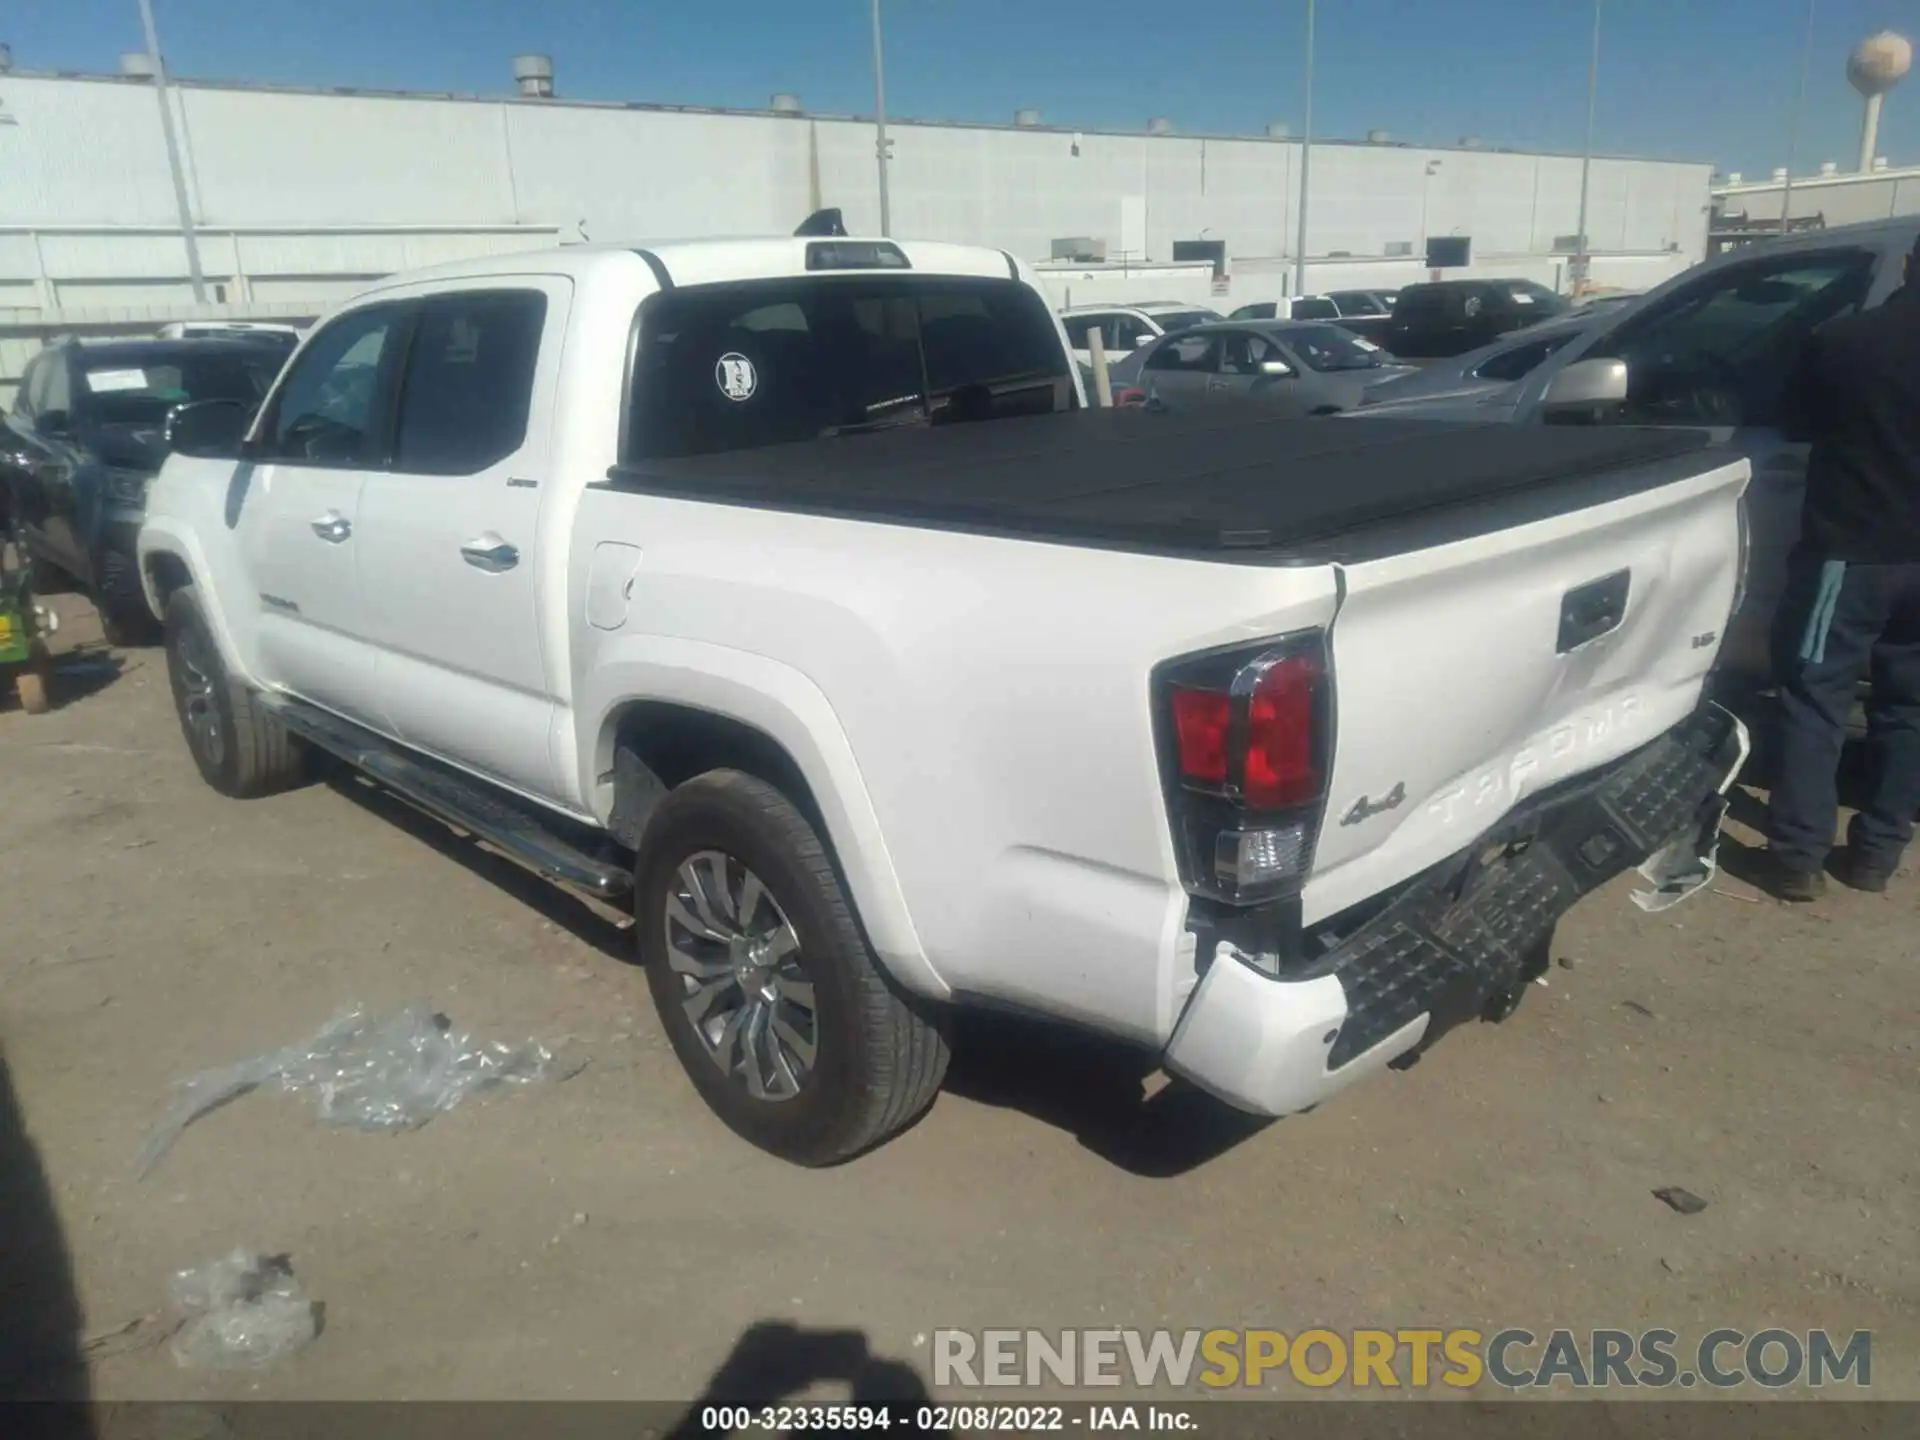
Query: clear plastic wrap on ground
(391, 1072)
(240, 1312)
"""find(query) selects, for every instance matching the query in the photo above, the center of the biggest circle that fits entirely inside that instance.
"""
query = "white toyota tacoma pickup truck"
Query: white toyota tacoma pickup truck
(786, 596)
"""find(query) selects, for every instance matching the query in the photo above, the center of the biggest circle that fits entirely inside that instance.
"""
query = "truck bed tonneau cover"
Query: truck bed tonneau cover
(1228, 483)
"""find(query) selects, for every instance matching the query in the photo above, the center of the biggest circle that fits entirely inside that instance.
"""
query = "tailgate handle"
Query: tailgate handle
(1589, 611)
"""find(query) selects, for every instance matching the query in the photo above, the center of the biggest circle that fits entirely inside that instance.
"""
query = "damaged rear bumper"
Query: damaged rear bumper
(1452, 942)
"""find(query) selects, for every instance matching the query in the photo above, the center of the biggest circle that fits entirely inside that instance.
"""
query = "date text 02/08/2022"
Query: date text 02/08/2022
(942, 1419)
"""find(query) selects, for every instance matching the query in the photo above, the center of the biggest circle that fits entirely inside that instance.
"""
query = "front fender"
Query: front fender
(163, 535)
(791, 710)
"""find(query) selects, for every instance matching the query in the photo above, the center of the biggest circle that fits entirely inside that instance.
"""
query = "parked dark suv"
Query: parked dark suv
(1451, 317)
(86, 435)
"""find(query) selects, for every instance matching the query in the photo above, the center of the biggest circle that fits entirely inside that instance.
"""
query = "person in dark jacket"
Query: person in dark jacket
(1852, 601)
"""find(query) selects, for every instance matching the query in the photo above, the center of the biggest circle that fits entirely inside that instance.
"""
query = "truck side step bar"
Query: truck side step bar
(471, 806)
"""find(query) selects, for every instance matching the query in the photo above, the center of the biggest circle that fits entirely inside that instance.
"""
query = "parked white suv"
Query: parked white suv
(1126, 328)
(787, 595)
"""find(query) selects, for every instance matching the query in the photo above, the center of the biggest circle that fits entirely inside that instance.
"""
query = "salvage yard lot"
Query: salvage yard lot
(606, 1238)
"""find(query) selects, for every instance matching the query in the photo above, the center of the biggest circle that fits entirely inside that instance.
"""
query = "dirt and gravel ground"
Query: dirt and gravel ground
(606, 1238)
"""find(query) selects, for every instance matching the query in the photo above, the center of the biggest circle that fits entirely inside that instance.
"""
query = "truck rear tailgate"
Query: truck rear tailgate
(1472, 673)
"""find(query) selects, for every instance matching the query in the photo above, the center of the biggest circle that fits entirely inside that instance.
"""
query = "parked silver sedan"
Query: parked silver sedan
(1296, 367)
(1487, 377)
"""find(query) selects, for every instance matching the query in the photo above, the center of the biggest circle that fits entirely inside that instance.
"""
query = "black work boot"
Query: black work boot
(1797, 887)
(1856, 872)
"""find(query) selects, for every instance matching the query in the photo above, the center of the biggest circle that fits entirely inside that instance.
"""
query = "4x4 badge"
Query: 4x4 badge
(1365, 809)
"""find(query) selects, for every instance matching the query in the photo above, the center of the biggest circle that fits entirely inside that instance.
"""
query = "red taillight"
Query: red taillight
(1201, 721)
(1280, 768)
(1244, 737)
(1129, 398)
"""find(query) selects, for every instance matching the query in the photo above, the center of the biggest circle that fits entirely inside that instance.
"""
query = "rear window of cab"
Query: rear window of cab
(742, 365)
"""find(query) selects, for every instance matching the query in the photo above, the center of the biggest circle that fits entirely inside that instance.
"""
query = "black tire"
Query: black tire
(245, 752)
(878, 1060)
(125, 620)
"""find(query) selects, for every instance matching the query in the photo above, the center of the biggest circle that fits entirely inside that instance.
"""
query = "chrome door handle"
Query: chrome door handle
(490, 553)
(333, 527)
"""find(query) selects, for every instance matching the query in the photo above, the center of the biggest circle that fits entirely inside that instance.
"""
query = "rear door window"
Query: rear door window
(1356, 303)
(1243, 353)
(1190, 353)
(1315, 307)
(468, 384)
(1079, 327)
(1427, 305)
(770, 362)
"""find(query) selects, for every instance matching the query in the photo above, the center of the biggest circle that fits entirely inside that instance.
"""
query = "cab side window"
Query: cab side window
(1720, 351)
(334, 405)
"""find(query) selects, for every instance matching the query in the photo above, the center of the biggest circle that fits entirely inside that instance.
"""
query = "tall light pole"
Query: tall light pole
(879, 118)
(1793, 136)
(1582, 259)
(1306, 162)
(173, 155)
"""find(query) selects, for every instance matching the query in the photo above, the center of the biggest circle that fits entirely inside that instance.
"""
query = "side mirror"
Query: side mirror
(1276, 368)
(54, 424)
(1141, 342)
(211, 429)
(1586, 385)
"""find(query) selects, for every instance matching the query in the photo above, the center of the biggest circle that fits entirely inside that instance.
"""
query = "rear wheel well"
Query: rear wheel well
(168, 573)
(673, 743)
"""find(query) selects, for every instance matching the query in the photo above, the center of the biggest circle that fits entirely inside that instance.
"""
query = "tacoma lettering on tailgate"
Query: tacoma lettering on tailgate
(1504, 785)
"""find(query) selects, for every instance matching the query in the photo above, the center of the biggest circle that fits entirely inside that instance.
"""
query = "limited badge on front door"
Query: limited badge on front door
(735, 375)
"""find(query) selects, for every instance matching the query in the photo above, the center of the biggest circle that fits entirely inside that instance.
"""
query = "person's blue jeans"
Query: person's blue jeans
(1837, 622)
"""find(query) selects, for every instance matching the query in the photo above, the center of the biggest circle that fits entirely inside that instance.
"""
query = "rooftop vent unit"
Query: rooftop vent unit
(1279, 130)
(1736, 178)
(1082, 249)
(534, 75)
(784, 103)
(1829, 167)
(1379, 137)
(1026, 119)
(1779, 174)
(1159, 125)
(137, 64)
(1471, 142)
(1879, 161)
(6, 57)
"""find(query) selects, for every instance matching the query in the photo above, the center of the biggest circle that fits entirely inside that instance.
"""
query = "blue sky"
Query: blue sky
(1697, 79)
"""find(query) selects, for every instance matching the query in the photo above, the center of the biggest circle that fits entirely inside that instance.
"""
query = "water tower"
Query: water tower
(1877, 64)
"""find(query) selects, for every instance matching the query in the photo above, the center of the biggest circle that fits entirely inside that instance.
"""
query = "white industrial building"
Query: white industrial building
(298, 197)
(1818, 201)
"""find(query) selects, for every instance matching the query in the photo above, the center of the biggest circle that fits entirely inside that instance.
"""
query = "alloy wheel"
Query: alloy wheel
(198, 705)
(737, 958)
